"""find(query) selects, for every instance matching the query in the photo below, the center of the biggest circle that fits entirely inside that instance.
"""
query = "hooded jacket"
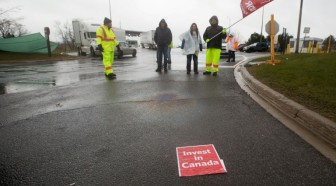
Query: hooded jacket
(211, 31)
(163, 36)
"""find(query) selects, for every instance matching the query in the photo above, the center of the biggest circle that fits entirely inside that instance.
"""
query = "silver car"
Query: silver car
(125, 49)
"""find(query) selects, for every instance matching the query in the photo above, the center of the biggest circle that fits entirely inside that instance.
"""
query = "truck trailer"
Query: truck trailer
(147, 39)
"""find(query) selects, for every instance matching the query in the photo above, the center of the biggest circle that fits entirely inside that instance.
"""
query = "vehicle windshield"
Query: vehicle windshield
(122, 44)
(91, 35)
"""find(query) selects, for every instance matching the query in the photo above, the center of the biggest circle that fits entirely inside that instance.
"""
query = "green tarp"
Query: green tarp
(33, 43)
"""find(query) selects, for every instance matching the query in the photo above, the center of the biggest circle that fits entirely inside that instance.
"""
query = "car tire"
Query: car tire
(120, 54)
(134, 53)
(92, 53)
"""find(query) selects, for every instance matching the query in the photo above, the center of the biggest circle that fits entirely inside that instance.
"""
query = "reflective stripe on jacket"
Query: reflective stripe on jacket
(232, 43)
(106, 38)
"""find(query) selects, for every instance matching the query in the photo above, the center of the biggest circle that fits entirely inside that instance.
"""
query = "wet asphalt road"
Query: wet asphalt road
(64, 123)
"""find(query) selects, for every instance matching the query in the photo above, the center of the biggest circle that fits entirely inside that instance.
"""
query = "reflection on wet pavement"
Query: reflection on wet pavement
(33, 76)
(21, 77)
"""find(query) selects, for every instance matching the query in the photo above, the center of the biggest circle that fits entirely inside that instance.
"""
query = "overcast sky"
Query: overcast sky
(144, 15)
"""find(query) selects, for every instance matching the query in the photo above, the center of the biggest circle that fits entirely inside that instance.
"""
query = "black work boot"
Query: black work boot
(165, 67)
(110, 76)
(206, 73)
(158, 70)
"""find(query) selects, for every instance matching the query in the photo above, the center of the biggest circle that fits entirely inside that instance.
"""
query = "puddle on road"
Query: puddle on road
(36, 84)
(23, 86)
(35, 76)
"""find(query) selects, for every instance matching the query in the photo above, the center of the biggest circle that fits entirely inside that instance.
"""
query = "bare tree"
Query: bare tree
(65, 33)
(20, 29)
(10, 27)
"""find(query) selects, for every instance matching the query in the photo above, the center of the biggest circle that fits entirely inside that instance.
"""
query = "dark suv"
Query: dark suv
(256, 47)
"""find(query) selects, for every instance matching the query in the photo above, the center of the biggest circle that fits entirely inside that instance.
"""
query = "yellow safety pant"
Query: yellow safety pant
(108, 59)
(212, 59)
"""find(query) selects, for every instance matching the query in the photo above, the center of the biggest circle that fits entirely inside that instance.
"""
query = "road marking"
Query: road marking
(245, 58)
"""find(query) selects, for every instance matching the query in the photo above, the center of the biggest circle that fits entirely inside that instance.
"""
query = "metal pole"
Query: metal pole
(47, 34)
(272, 39)
(229, 23)
(110, 9)
(262, 25)
(299, 30)
(304, 38)
(285, 42)
(329, 45)
(282, 44)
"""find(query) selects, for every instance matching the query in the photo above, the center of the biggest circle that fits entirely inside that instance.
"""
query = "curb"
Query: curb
(320, 126)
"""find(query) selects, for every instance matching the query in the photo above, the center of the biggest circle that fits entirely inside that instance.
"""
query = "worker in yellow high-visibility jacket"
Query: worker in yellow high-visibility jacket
(107, 41)
(213, 36)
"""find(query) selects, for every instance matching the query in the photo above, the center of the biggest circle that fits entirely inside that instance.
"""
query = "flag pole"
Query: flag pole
(262, 24)
(110, 9)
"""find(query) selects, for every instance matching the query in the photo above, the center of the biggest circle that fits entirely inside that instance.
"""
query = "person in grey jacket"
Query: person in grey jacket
(162, 37)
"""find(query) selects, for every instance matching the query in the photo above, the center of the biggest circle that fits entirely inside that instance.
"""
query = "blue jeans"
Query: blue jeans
(162, 51)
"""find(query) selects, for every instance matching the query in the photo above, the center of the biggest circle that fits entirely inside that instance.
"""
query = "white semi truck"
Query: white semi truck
(147, 39)
(85, 37)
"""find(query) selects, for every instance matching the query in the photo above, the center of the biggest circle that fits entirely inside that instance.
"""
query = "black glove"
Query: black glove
(100, 48)
(118, 47)
(201, 47)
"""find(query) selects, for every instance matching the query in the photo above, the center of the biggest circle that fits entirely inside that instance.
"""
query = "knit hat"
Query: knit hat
(107, 20)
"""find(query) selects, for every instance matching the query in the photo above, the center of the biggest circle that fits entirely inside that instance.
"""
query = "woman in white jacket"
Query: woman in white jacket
(191, 45)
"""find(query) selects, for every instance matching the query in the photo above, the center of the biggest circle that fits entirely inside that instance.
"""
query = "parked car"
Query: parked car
(256, 47)
(125, 49)
(241, 47)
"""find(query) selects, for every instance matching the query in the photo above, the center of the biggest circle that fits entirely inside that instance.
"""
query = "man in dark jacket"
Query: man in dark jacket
(214, 45)
(162, 38)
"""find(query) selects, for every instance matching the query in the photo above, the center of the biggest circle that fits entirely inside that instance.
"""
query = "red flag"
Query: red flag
(249, 6)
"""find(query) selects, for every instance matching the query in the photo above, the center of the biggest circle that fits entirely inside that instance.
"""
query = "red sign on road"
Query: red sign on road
(199, 160)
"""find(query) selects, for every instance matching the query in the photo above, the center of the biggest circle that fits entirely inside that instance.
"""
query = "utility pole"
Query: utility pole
(262, 25)
(299, 30)
(47, 34)
(284, 41)
(110, 9)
